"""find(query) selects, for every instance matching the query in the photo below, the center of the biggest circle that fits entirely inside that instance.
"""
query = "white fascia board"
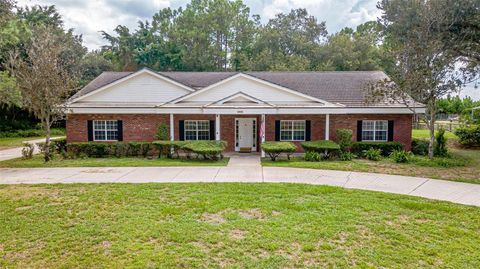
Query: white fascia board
(142, 71)
(257, 80)
(240, 110)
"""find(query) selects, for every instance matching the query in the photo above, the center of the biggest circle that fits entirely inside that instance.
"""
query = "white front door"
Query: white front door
(245, 134)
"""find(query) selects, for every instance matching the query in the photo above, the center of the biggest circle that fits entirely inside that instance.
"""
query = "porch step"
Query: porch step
(245, 150)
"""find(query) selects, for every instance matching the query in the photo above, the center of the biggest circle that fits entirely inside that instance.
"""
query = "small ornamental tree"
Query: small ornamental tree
(344, 139)
(162, 132)
(45, 77)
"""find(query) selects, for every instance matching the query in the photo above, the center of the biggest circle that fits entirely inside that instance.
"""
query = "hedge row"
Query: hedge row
(206, 149)
(387, 148)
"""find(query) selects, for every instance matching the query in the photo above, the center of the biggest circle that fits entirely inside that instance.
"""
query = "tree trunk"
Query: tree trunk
(431, 128)
(46, 155)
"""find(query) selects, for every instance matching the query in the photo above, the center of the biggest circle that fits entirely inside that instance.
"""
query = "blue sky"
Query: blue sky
(89, 17)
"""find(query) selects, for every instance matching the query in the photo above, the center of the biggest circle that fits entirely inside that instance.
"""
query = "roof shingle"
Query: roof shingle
(346, 88)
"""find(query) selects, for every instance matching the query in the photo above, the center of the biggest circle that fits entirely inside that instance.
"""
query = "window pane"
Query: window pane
(190, 135)
(298, 135)
(203, 135)
(381, 135)
(381, 125)
(203, 125)
(299, 125)
(367, 135)
(112, 135)
(285, 125)
(99, 135)
(286, 135)
(99, 125)
(368, 125)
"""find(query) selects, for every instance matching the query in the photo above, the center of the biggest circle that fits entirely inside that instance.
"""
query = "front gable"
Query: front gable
(250, 87)
(143, 86)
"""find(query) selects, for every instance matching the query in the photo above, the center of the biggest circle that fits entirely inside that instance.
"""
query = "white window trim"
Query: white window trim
(196, 129)
(375, 130)
(105, 130)
(293, 130)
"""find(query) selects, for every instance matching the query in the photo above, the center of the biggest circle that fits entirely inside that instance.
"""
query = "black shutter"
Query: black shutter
(120, 130)
(181, 130)
(308, 130)
(212, 130)
(359, 130)
(390, 130)
(90, 130)
(277, 130)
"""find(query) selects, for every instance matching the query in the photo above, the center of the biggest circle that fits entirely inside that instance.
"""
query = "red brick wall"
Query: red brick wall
(402, 126)
(317, 125)
(136, 127)
(142, 127)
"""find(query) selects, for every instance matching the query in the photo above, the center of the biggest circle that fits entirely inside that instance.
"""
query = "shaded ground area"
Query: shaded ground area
(223, 225)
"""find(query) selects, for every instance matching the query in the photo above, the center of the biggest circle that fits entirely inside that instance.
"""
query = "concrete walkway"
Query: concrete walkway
(248, 169)
(8, 154)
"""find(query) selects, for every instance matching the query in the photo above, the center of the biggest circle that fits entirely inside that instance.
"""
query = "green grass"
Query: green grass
(463, 165)
(37, 161)
(424, 134)
(230, 225)
(13, 142)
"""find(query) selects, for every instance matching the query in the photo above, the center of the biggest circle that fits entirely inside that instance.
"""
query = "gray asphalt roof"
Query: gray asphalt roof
(336, 87)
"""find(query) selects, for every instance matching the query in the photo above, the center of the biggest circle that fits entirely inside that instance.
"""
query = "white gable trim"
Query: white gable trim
(257, 80)
(135, 74)
(236, 95)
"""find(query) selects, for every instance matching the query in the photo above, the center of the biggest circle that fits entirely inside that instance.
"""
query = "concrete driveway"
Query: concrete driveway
(248, 170)
(7, 154)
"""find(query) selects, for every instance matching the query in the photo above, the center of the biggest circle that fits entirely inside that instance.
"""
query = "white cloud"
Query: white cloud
(89, 17)
(336, 13)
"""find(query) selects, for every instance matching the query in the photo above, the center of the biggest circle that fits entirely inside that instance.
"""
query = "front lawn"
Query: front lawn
(14, 142)
(425, 134)
(230, 225)
(37, 161)
(464, 165)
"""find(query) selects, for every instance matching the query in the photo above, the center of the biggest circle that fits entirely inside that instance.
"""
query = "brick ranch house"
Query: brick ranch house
(243, 109)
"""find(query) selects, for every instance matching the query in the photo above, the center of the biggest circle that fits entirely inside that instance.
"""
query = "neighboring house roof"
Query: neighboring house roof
(346, 88)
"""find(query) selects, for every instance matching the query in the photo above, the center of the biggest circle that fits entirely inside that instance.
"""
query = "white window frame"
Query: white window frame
(196, 129)
(293, 130)
(104, 130)
(374, 130)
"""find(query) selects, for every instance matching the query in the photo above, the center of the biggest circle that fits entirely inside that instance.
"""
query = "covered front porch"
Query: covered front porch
(246, 132)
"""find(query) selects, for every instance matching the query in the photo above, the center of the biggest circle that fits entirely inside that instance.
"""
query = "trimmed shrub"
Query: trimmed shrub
(373, 154)
(27, 150)
(324, 147)
(344, 139)
(420, 147)
(312, 156)
(209, 150)
(162, 132)
(469, 136)
(440, 145)
(386, 148)
(163, 147)
(400, 156)
(346, 156)
(139, 148)
(60, 145)
(274, 149)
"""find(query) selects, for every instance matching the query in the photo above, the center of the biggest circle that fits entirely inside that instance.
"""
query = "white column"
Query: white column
(327, 126)
(217, 127)
(262, 132)
(172, 128)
